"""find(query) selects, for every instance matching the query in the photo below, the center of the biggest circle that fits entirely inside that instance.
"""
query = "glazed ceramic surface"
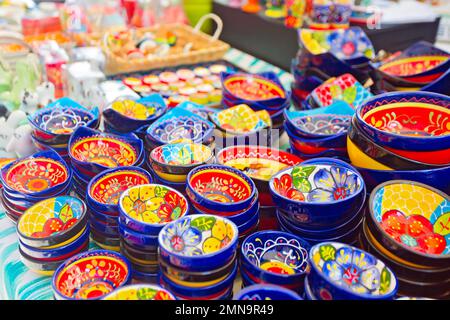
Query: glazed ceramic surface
(133, 109)
(181, 154)
(409, 66)
(241, 119)
(322, 125)
(140, 292)
(266, 292)
(252, 87)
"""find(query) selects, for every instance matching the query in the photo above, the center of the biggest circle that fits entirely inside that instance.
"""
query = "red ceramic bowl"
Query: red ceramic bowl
(413, 67)
(253, 87)
(440, 157)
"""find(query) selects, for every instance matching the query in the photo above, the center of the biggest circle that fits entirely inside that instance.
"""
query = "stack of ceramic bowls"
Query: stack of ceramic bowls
(29, 180)
(53, 125)
(274, 257)
(197, 256)
(52, 231)
(407, 226)
(258, 292)
(91, 275)
(170, 163)
(102, 198)
(261, 91)
(224, 191)
(320, 200)
(140, 292)
(144, 211)
(342, 272)
(92, 152)
(402, 136)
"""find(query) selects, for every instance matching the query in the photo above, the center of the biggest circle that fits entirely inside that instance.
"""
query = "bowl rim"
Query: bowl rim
(204, 147)
(386, 235)
(138, 286)
(408, 59)
(267, 287)
(317, 135)
(245, 76)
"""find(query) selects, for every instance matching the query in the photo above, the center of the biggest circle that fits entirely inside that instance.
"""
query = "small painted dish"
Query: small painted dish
(251, 87)
(137, 239)
(413, 66)
(198, 242)
(91, 275)
(52, 222)
(320, 125)
(147, 208)
(266, 292)
(43, 268)
(343, 272)
(140, 292)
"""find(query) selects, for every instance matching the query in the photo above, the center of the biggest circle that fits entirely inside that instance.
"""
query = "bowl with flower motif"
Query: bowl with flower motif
(136, 238)
(91, 151)
(104, 190)
(266, 292)
(198, 242)
(91, 275)
(220, 188)
(411, 220)
(319, 125)
(343, 272)
(411, 121)
(140, 292)
(149, 207)
(56, 122)
(173, 161)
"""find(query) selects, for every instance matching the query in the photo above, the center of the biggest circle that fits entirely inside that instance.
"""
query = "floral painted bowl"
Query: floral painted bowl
(136, 238)
(91, 275)
(198, 242)
(39, 175)
(42, 268)
(316, 145)
(343, 272)
(104, 190)
(56, 122)
(411, 219)
(411, 121)
(149, 207)
(140, 292)
(266, 292)
(259, 163)
(91, 151)
(418, 68)
(220, 188)
(319, 193)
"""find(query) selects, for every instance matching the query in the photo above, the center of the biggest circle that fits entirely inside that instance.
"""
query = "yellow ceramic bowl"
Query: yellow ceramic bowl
(171, 177)
(362, 160)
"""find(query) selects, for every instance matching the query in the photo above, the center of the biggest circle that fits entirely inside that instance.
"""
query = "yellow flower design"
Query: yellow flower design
(132, 109)
(94, 268)
(46, 170)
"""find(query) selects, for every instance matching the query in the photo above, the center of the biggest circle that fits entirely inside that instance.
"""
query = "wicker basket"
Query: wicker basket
(198, 47)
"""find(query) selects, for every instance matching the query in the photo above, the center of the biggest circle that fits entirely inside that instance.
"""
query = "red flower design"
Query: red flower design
(284, 187)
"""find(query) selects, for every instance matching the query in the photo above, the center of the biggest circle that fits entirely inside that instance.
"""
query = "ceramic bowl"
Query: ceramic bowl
(417, 68)
(220, 188)
(111, 230)
(104, 190)
(310, 189)
(179, 186)
(319, 125)
(259, 163)
(244, 228)
(140, 292)
(41, 174)
(266, 292)
(43, 268)
(407, 120)
(137, 253)
(198, 242)
(92, 152)
(52, 222)
(313, 145)
(172, 162)
(136, 238)
(330, 153)
(105, 242)
(275, 257)
(91, 275)
(411, 219)
(343, 272)
(147, 208)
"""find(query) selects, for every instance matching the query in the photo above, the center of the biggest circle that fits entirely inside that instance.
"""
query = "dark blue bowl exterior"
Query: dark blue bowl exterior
(266, 291)
(135, 238)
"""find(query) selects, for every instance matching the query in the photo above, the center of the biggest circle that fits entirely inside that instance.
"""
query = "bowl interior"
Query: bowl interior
(409, 66)
(135, 110)
(62, 120)
(413, 215)
(322, 124)
(316, 183)
(352, 269)
(35, 175)
(181, 154)
(153, 204)
(241, 119)
(181, 128)
(140, 292)
(253, 88)
(107, 151)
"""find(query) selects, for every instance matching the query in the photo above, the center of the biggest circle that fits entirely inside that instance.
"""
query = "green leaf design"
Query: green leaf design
(203, 223)
(302, 184)
(385, 280)
(66, 213)
(176, 213)
(349, 95)
(145, 293)
(302, 172)
(300, 178)
(160, 192)
(327, 252)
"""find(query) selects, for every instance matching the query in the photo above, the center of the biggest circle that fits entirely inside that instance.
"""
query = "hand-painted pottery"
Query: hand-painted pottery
(414, 67)
(412, 218)
(340, 271)
(259, 163)
(251, 87)
(129, 250)
(91, 275)
(43, 173)
(316, 145)
(52, 221)
(322, 194)
(308, 292)
(56, 122)
(110, 229)
(142, 277)
(104, 189)
(266, 292)
(179, 186)
(140, 292)
(275, 257)
(320, 125)
(104, 241)
(147, 208)
(198, 242)
(330, 153)
(417, 121)
(137, 238)
(43, 268)
(220, 188)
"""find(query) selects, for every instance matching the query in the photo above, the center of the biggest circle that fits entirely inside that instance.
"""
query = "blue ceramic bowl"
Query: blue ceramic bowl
(275, 108)
(103, 217)
(318, 126)
(275, 257)
(405, 141)
(308, 293)
(108, 229)
(330, 153)
(198, 242)
(248, 225)
(145, 277)
(343, 272)
(136, 238)
(266, 292)
(179, 186)
(206, 188)
(333, 141)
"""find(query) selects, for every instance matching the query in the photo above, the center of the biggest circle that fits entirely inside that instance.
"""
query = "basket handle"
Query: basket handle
(216, 19)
